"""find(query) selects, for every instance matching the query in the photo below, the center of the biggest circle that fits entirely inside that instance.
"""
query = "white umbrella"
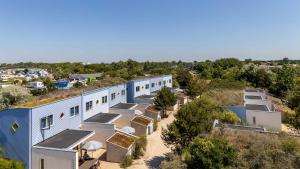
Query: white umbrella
(128, 130)
(92, 146)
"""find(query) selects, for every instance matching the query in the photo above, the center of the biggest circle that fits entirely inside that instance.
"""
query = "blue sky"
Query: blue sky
(155, 30)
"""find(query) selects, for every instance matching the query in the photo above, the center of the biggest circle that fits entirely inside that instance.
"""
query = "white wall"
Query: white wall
(102, 131)
(269, 120)
(167, 78)
(143, 90)
(97, 108)
(59, 124)
(54, 159)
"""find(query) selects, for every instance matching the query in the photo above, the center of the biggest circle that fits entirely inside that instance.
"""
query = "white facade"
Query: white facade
(36, 85)
(54, 158)
(99, 100)
(268, 120)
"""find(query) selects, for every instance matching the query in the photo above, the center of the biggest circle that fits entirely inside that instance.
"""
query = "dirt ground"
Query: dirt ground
(155, 153)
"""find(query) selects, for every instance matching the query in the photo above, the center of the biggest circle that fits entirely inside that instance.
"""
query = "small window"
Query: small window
(152, 84)
(104, 99)
(46, 122)
(88, 105)
(76, 110)
(147, 86)
(113, 96)
(62, 115)
(170, 81)
(97, 101)
(254, 120)
(123, 92)
(50, 118)
(72, 111)
(137, 88)
(159, 83)
(15, 126)
(164, 82)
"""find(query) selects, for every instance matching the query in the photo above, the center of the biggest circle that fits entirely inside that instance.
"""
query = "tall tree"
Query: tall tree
(164, 99)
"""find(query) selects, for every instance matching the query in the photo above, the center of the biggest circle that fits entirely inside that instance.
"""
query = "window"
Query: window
(164, 82)
(123, 92)
(113, 96)
(254, 120)
(46, 122)
(97, 101)
(72, 111)
(137, 88)
(170, 81)
(104, 99)
(159, 83)
(42, 163)
(76, 110)
(88, 105)
(15, 126)
(152, 84)
(147, 86)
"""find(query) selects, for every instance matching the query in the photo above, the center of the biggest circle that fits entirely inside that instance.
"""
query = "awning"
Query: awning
(67, 139)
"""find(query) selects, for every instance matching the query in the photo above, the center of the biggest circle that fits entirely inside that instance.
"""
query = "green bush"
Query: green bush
(10, 164)
(140, 147)
(126, 162)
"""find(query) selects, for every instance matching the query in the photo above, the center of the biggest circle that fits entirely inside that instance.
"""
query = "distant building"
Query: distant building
(85, 78)
(36, 85)
(258, 111)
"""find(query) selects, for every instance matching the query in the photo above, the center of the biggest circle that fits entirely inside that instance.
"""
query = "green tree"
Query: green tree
(12, 95)
(183, 77)
(164, 99)
(193, 119)
(294, 95)
(211, 153)
(49, 84)
(196, 87)
(284, 81)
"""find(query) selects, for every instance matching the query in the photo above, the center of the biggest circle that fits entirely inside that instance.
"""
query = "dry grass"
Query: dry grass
(121, 140)
(152, 109)
(62, 94)
(141, 120)
(225, 97)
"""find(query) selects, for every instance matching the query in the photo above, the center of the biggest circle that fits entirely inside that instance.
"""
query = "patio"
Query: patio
(96, 156)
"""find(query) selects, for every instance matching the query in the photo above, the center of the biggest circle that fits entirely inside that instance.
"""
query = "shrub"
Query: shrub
(155, 125)
(126, 162)
(140, 147)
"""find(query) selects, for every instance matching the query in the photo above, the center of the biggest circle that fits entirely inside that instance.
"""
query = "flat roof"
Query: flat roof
(65, 139)
(103, 118)
(121, 140)
(124, 105)
(256, 107)
(153, 109)
(141, 120)
(141, 107)
(146, 96)
(253, 97)
(251, 90)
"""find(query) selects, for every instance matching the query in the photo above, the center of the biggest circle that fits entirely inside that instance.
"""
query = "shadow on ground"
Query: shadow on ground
(155, 162)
